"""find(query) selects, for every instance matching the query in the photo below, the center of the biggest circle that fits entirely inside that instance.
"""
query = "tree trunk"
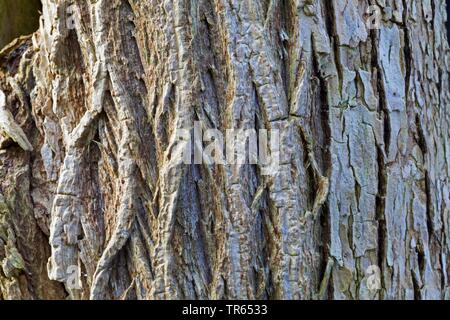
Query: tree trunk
(95, 203)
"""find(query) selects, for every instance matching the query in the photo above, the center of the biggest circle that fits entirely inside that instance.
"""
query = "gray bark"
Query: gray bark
(90, 177)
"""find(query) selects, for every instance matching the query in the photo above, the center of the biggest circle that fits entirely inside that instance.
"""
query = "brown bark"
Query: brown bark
(89, 161)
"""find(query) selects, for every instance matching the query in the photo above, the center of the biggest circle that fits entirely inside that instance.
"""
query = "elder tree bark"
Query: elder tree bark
(90, 178)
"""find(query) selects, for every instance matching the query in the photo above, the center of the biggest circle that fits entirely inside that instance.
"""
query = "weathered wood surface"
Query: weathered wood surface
(103, 88)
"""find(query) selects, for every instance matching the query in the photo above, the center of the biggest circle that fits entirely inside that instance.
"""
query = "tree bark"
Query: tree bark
(91, 184)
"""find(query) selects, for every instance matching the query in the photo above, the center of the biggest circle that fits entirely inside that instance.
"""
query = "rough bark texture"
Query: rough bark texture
(89, 161)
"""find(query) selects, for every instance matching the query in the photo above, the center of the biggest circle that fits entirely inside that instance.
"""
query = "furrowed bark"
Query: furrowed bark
(92, 106)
